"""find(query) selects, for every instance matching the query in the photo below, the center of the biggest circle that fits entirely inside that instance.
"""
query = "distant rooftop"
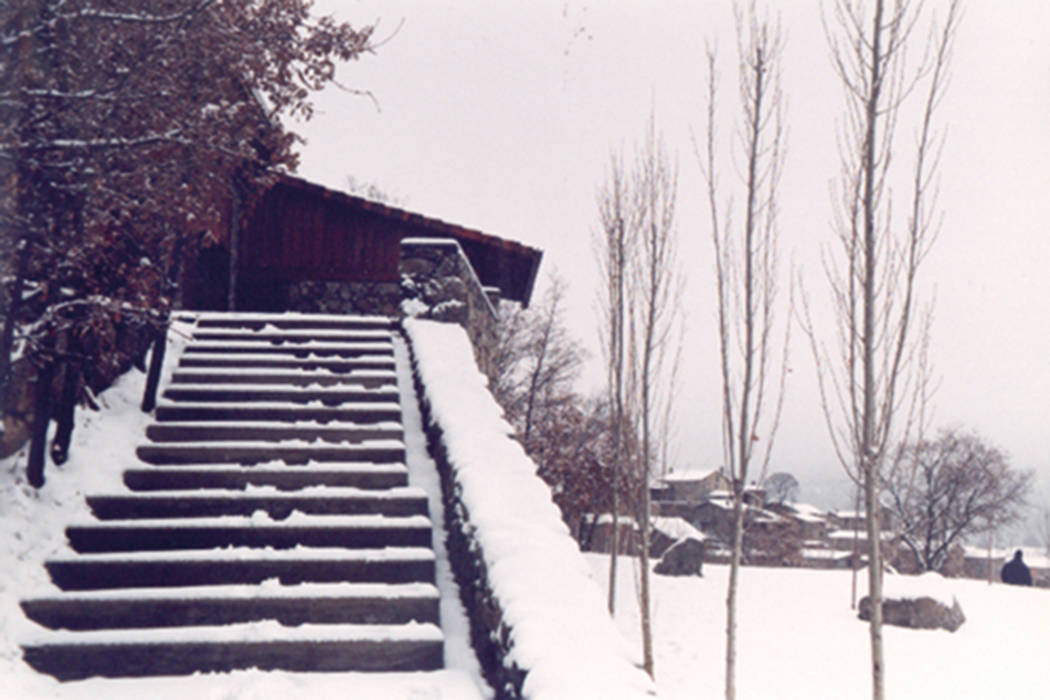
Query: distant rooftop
(690, 475)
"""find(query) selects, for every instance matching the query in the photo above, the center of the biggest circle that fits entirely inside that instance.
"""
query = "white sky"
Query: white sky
(501, 116)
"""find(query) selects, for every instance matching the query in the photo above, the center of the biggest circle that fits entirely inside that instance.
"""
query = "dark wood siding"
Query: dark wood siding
(294, 234)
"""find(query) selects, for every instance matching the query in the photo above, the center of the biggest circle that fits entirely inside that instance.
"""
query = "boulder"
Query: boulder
(684, 558)
(917, 613)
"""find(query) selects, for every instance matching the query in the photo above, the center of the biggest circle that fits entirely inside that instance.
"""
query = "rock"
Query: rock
(917, 613)
(684, 558)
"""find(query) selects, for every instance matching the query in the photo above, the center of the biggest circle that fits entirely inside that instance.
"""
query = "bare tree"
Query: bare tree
(536, 360)
(874, 389)
(948, 489)
(655, 299)
(553, 357)
(781, 487)
(636, 250)
(613, 244)
(746, 265)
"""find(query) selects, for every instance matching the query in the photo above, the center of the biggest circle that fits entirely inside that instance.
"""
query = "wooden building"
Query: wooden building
(302, 232)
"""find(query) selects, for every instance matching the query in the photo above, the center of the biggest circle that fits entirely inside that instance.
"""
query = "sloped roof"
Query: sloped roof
(499, 262)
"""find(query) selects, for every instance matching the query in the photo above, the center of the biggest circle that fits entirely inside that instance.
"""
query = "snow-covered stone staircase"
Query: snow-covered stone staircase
(268, 525)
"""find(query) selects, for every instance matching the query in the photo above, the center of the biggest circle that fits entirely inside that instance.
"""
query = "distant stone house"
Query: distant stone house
(691, 486)
(811, 522)
(850, 519)
(664, 532)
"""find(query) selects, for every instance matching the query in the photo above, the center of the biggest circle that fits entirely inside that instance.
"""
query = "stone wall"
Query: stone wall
(490, 636)
(370, 298)
(437, 282)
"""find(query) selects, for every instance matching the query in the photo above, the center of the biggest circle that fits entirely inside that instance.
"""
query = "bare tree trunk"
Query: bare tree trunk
(14, 305)
(855, 562)
(656, 299)
(65, 420)
(616, 239)
(880, 372)
(747, 277)
(991, 570)
(235, 248)
(41, 421)
(156, 364)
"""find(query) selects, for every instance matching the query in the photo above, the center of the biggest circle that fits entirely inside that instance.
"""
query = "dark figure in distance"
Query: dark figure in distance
(1016, 572)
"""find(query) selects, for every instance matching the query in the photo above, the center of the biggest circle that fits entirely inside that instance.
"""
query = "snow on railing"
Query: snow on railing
(540, 626)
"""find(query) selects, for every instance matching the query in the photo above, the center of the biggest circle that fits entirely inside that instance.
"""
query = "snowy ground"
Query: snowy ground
(799, 638)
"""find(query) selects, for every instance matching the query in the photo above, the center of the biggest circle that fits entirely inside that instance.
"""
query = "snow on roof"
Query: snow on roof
(831, 554)
(861, 534)
(677, 528)
(606, 518)
(808, 513)
(689, 475)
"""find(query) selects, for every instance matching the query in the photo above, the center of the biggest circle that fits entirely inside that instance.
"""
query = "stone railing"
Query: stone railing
(538, 621)
(438, 282)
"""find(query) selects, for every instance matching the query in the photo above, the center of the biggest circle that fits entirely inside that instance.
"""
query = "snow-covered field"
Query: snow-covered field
(798, 637)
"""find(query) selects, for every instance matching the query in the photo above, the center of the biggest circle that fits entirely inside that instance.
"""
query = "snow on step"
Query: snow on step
(223, 476)
(291, 452)
(328, 395)
(372, 412)
(265, 645)
(299, 530)
(248, 361)
(370, 378)
(364, 603)
(291, 319)
(302, 350)
(324, 500)
(310, 335)
(193, 431)
(93, 571)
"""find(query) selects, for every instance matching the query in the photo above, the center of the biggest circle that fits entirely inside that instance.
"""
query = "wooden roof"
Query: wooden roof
(498, 262)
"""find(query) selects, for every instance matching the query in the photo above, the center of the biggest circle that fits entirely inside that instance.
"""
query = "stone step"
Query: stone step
(283, 478)
(329, 396)
(269, 361)
(204, 431)
(77, 655)
(300, 350)
(207, 567)
(256, 453)
(278, 506)
(360, 603)
(369, 379)
(259, 321)
(345, 413)
(348, 531)
(296, 337)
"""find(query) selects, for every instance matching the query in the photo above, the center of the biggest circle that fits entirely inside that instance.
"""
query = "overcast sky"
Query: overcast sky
(501, 116)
